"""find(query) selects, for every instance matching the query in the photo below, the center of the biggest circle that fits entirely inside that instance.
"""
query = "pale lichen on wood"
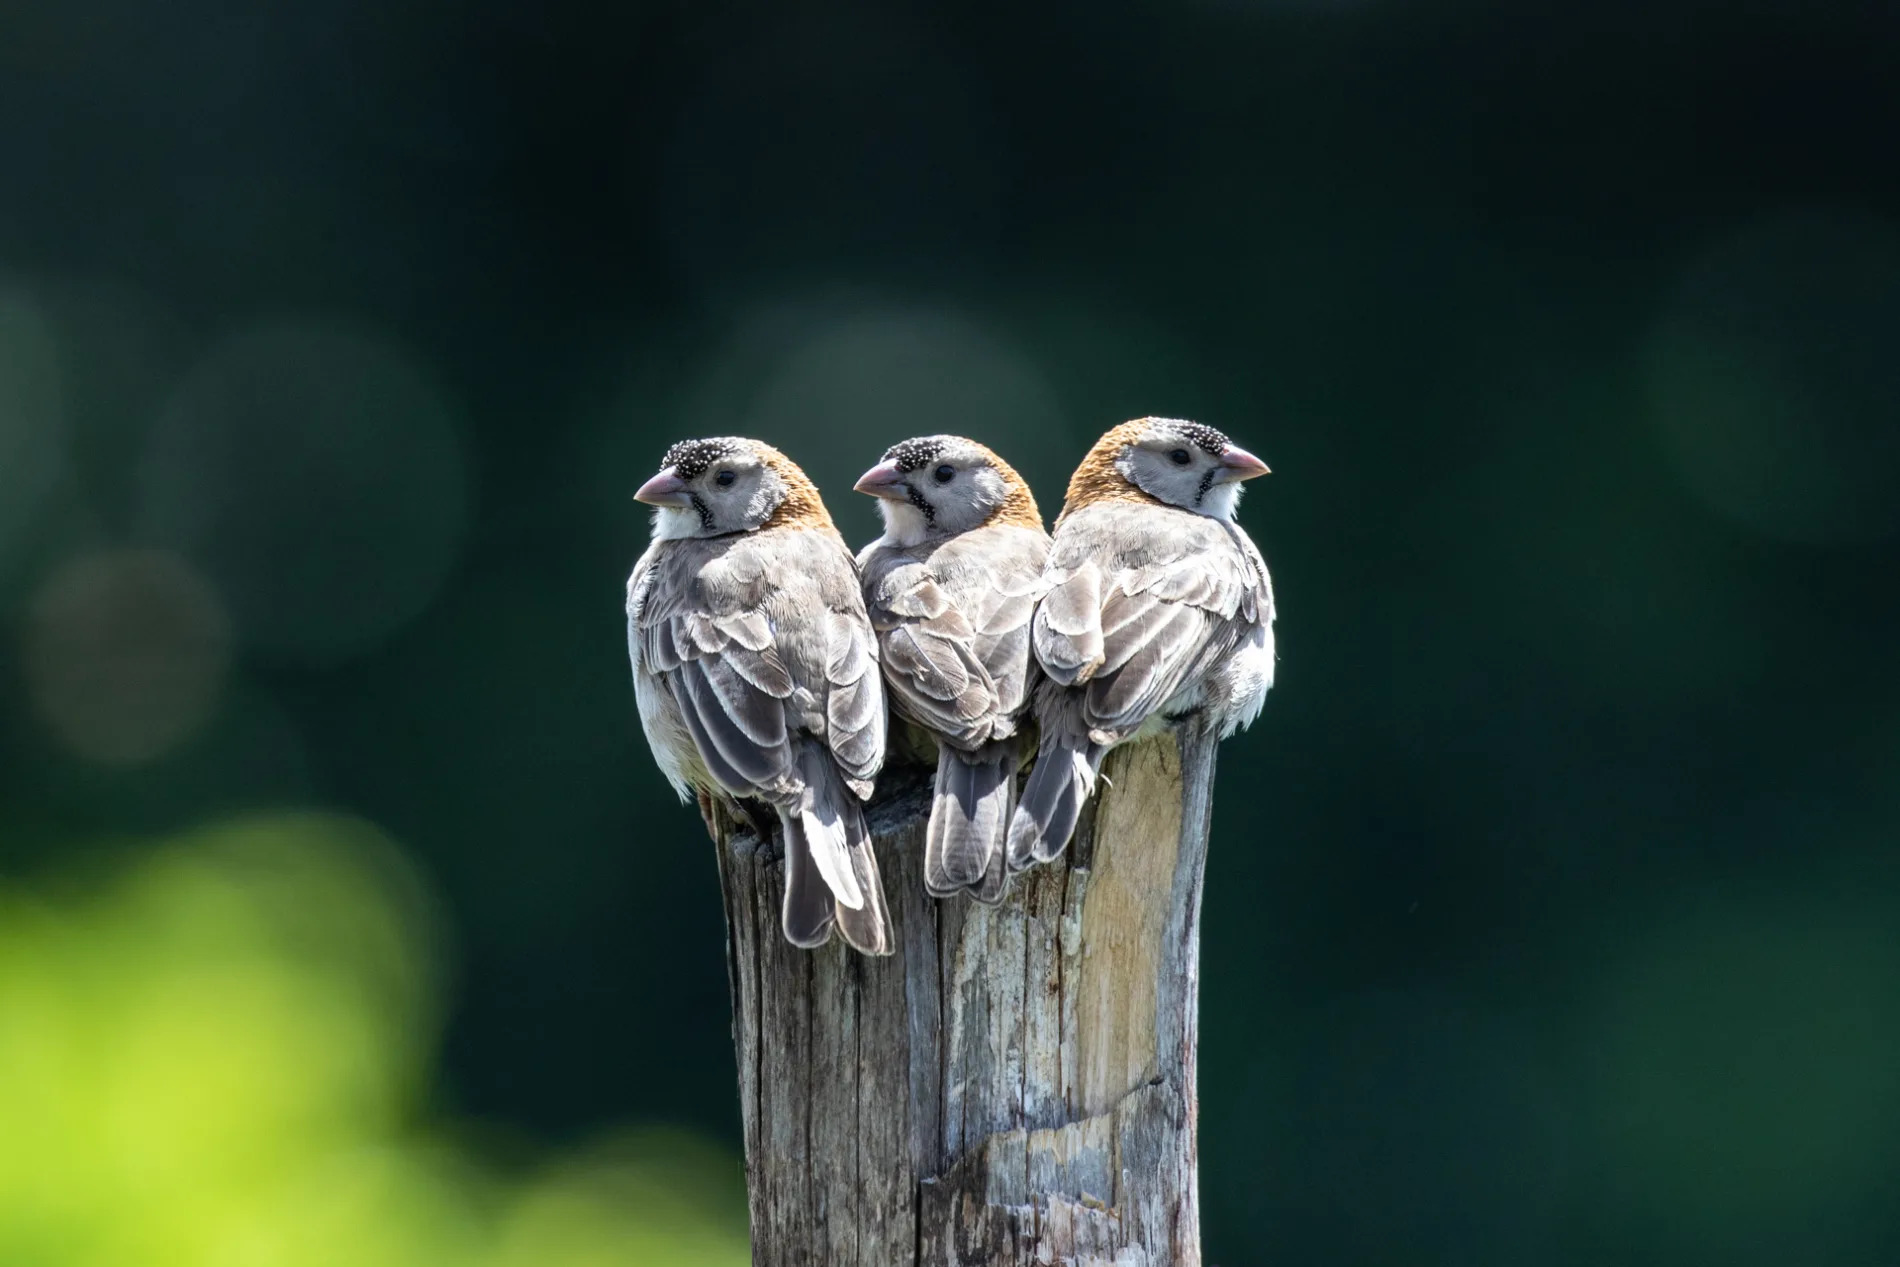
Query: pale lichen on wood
(1016, 1084)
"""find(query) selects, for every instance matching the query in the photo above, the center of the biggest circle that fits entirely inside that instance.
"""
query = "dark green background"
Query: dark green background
(1553, 901)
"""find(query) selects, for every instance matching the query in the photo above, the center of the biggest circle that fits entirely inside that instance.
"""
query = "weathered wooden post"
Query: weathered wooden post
(1016, 1084)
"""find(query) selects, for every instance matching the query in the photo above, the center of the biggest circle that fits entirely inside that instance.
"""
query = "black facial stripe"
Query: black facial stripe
(705, 512)
(914, 455)
(1207, 482)
(917, 499)
(690, 458)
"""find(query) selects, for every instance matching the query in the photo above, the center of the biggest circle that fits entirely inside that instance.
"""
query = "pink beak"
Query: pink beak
(664, 489)
(1243, 464)
(882, 480)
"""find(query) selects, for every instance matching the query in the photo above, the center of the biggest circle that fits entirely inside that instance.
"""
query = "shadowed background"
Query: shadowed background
(1551, 902)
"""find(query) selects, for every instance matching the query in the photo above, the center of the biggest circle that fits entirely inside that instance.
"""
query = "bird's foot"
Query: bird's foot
(709, 813)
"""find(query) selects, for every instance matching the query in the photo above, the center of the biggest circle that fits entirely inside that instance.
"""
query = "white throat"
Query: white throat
(1222, 500)
(904, 524)
(675, 523)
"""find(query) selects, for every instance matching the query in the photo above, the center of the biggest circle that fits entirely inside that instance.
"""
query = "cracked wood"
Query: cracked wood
(1016, 1084)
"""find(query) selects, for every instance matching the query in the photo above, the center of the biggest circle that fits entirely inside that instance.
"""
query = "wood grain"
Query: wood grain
(1016, 1084)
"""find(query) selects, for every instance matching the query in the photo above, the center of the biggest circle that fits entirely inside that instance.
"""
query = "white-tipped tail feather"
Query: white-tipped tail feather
(830, 869)
(868, 926)
(827, 837)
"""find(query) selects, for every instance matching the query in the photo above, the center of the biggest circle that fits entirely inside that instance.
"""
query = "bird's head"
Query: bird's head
(944, 485)
(1184, 464)
(727, 484)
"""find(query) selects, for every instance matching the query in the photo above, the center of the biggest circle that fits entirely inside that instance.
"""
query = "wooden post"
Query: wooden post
(1016, 1084)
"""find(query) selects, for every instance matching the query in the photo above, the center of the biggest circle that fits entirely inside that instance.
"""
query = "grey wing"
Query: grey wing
(1137, 610)
(713, 649)
(1067, 630)
(853, 713)
(954, 632)
(1258, 606)
(637, 586)
(1000, 605)
(931, 664)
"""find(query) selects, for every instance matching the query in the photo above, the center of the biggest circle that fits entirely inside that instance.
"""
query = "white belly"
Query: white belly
(667, 736)
(1245, 680)
(1230, 694)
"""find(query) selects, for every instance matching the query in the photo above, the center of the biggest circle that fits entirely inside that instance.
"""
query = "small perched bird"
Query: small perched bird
(755, 668)
(951, 586)
(1158, 607)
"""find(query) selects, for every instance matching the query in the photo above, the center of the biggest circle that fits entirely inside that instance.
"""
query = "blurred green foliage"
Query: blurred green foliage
(217, 1055)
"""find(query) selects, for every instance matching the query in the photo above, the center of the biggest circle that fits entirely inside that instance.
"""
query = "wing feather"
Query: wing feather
(760, 640)
(952, 618)
(735, 761)
(1144, 601)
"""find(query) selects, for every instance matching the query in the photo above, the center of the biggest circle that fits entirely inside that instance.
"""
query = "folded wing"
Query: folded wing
(1141, 601)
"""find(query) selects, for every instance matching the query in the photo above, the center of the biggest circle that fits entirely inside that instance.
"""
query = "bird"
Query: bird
(1157, 609)
(755, 668)
(951, 587)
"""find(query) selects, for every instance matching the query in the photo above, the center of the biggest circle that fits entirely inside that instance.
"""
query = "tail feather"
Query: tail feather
(969, 820)
(806, 915)
(989, 890)
(831, 874)
(1061, 783)
(812, 907)
(827, 821)
(867, 927)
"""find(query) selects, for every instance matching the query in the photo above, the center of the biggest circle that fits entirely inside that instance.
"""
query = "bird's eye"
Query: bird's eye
(946, 473)
(1179, 457)
(724, 479)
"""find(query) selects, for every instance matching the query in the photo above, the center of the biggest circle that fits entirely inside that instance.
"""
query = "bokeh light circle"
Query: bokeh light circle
(125, 655)
(218, 1053)
(1773, 373)
(315, 474)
